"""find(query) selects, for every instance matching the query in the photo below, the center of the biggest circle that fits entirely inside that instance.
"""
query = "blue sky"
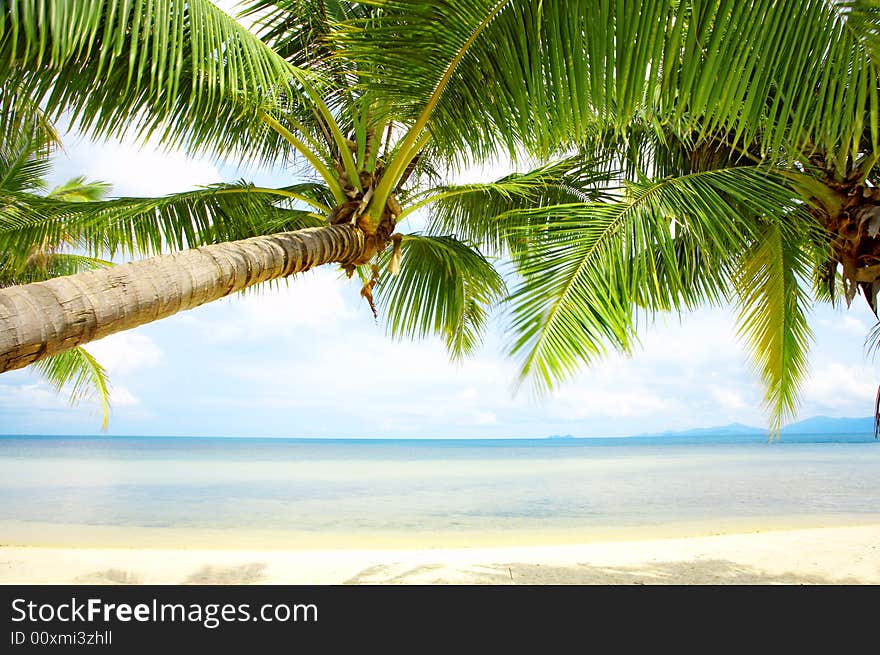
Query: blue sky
(307, 359)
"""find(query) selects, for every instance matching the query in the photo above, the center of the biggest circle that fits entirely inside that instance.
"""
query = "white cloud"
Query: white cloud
(42, 408)
(32, 396)
(122, 397)
(382, 385)
(482, 418)
(399, 425)
(837, 386)
(469, 394)
(846, 324)
(727, 398)
(125, 352)
(705, 338)
(687, 375)
(594, 402)
(853, 325)
(132, 169)
(317, 300)
(314, 299)
(142, 172)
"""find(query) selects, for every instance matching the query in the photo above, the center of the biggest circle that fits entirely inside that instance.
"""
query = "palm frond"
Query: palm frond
(590, 267)
(301, 31)
(144, 225)
(648, 148)
(286, 209)
(274, 220)
(691, 275)
(20, 171)
(539, 72)
(444, 287)
(78, 189)
(184, 71)
(773, 306)
(44, 265)
(23, 122)
(25, 144)
(78, 371)
(484, 213)
(872, 340)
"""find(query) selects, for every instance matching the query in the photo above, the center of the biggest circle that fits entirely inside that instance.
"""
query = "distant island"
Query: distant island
(808, 426)
(827, 425)
(730, 429)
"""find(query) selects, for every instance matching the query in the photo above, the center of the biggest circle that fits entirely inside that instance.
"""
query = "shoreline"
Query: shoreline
(102, 537)
(804, 555)
(80, 536)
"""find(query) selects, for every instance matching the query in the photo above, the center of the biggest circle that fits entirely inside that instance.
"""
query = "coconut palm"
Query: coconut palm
(679, 153)
(28, 141)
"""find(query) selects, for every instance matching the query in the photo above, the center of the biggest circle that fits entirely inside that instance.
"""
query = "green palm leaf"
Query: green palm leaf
(592, 265)
(149, 225)
(39, 266)
(182, 70)
(484, 213)
(20, 171)
(302, 31)
(541, 72)
(773, 306)
(22, 122)
(444, 287)
(78, 189)
(25, 144)
(81, 373)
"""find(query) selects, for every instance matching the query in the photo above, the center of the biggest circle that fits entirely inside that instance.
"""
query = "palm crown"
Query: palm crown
(679, 154)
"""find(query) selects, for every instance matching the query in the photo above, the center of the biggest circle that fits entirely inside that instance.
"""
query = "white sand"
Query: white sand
(829, 555)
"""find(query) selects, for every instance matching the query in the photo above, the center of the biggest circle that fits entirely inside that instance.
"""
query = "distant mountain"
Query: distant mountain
(812, 425)
(827, 425)
(717, 431)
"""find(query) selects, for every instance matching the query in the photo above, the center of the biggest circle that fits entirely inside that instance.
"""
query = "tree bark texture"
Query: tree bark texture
(45, 318)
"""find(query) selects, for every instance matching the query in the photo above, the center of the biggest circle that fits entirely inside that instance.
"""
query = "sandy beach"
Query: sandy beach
(827, 555)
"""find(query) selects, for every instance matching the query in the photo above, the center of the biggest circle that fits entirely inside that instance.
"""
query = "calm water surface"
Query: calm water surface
(397, 486)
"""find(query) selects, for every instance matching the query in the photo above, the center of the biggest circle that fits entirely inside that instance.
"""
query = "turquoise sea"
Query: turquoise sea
(73, 489)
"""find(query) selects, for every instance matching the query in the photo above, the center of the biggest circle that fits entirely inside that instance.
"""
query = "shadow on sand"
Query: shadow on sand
(241, 574)
(110, 576)
(706, 572)
(701, 572)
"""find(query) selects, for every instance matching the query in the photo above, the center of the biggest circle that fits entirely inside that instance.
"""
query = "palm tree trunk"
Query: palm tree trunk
(45, 318)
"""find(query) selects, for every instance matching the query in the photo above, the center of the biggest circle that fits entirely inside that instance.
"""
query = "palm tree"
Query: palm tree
(28, 141)
(681, 156)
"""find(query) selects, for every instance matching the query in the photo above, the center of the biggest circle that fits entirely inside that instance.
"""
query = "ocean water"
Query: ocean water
(132, 490)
